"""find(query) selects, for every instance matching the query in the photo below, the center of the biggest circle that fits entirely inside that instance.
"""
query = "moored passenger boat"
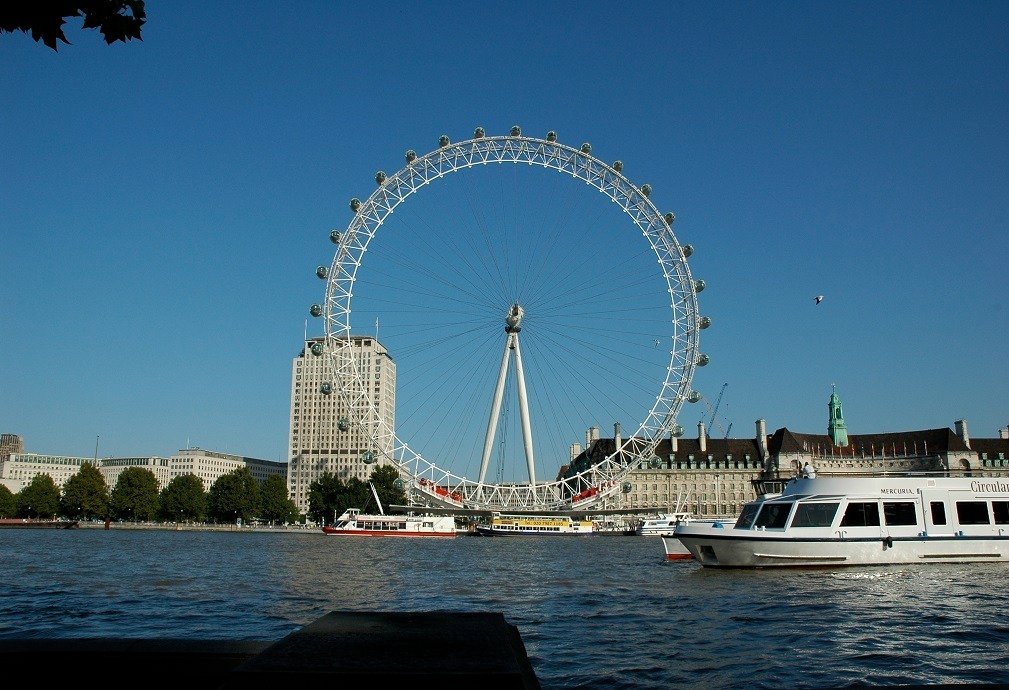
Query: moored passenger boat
(841, 521)
(535, 525)
(659, 526)
(353, 523)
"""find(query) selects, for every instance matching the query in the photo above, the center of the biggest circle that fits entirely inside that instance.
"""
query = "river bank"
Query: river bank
(200, 527)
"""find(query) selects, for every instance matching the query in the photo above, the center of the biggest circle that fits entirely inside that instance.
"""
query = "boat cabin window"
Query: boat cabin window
(938, 509)
(773, 515)
(972, 513)
(746, 516)
(1001, 510)
(861, 515)
(815, 514)
(899, 513)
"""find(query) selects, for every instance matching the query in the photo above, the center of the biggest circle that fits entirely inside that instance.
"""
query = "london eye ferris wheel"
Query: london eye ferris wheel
(522, 312)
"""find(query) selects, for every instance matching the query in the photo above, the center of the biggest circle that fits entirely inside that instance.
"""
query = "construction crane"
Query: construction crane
(713, 419)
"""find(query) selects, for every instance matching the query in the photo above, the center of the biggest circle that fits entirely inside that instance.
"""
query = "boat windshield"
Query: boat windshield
(774, 515)
(815, 514)
(746, 516)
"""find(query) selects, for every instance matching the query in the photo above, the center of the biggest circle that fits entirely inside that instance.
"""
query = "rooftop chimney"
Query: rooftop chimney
(702, 438)
(1004, 432)
(762, 439)
(674, 443)
(591, 434)
(576, 450)
(617, 438)
(961, 431)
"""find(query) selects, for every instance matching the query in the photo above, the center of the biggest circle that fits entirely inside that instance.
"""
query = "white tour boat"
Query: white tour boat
(354, 523)
(659, 526)
(535, 525)
(836, 521)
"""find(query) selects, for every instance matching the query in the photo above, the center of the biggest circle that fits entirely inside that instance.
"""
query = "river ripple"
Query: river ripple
(593, 612)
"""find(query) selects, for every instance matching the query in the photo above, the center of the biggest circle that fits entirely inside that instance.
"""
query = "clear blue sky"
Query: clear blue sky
(163, 204)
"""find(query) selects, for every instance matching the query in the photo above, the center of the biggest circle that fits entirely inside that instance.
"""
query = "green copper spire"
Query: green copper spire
(835, 423)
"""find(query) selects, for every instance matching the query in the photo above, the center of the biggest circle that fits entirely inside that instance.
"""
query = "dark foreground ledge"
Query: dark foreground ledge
(444, 650)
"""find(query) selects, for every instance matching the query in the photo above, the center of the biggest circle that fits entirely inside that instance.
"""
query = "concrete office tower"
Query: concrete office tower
(324, 436)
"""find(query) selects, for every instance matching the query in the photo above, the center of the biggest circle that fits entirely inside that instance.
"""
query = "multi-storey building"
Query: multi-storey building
(111, 468)
(18, 469)
(209, 465)
(713, 477)
(324, 436)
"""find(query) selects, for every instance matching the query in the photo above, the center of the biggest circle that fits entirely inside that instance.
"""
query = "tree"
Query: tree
(183, 499)
(328, 496)
(135, 495)
(8, 505)
(234, 495)
(40, 498)
(118, 20)
(388, 485)
(85, 494)
(276, 506)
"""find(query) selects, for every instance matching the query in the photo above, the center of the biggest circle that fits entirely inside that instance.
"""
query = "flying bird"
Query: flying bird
(818, 298)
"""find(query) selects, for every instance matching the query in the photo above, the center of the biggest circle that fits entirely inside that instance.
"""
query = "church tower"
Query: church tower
(836, 428)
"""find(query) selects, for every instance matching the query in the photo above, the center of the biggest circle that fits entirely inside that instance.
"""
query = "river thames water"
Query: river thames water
(593, 612)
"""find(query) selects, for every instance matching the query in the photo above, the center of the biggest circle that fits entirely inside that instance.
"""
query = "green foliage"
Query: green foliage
(234, 495)
(118, 20)
(275, 505)
(183, 499)
(8, 505)
(135, 496)
(85, 495)
(329, 496)
(388, 485)
(40, 499)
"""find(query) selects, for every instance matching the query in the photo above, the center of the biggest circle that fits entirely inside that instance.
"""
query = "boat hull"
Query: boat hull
(332, 531)
(675, 550)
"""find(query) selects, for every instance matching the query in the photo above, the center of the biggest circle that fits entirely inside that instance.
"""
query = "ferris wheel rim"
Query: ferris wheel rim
(448, 158)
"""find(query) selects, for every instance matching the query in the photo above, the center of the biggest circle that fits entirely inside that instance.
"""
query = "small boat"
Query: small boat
(675, 550)
(355, 523)
(535, 525)
(659, 526)
(844, 521)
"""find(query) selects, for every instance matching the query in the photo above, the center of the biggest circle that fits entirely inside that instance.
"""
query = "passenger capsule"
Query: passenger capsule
(551, 136)
(586, 147)
(411, 156)
(368, 457)
(399, 483)
(478, 133)
(443, 141)
(355, 205)
(693, 396)
(335, 237)
(316, 349)
(655, 463)
(380, 177)
(646, 189)
(316, 310)
(670, 218)
(326, 388)
(618, 165)
(516, 131)
(626, 487)
(677, 430)
(688, 250)
(704, 322)
(702, 360)
(322, 272)
(698, 285)
(343, 424)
